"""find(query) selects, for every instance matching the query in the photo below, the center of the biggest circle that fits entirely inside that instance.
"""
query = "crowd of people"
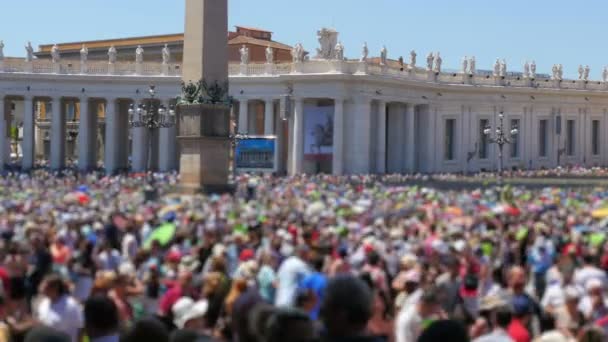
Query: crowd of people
(306, 258)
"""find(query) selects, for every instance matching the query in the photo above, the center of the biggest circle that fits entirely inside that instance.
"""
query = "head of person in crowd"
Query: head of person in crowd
(444, 330)
(286, 324)
(516, 279)
(54, 287)
(346, 307)
(147, 329)
(188, 314)
(429, 304)
(101, 318)
(46, 334)
(592, 334)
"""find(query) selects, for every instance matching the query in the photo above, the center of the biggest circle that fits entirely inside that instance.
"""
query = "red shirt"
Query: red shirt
(170, 298)
(518, 331)
(4, 279)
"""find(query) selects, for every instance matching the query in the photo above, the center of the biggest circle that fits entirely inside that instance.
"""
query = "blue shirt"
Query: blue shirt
(315, 282)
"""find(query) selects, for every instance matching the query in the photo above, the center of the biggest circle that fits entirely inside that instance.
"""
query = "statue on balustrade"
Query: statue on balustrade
(581, 71)
(586, 73)
(269, 55)
(526, 69)
(429, 61)
(84, 53)
(497, 67)
(244, 50)
(139, 54)
(438, 61)
(503, 68)
(55, 56)
(29, 50)
(328, 38)
(605, 74)
(413, 56)
(465, 64)
(364, 53)
(339, 51)
(560, 71)
(554, 72)
(166, 54)
(533, 69)
(298, 53)
(1, 50)
(472, 66)
(112, 54)
(383, 55)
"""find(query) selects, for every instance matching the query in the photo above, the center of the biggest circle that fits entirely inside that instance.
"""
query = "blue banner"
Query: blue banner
(256, 154)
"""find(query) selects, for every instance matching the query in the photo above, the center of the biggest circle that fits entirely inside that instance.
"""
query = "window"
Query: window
(595, 137)
(570, 138)
(542, 138)
(484, 142)
(449, 139)
(515, 139)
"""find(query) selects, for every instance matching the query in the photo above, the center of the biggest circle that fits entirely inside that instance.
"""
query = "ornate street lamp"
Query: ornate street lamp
(151, 117)
(501, 138)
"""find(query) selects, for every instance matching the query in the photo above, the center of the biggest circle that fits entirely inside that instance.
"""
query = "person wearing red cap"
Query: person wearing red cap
(246, 255)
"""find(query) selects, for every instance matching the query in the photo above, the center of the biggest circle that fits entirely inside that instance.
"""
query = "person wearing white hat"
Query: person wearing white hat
(188, 314)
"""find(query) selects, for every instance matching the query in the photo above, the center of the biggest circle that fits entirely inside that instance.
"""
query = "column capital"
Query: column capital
(269, 99)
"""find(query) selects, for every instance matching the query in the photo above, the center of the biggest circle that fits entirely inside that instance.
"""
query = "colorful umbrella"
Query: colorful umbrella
(163, 234)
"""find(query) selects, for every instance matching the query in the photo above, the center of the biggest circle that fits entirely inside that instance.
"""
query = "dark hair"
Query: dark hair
(430, 296)
(503, 316)
(148, 329)
(318, 262)
(350, 295)
(277, 326)
(547, 322)
(373, 258)
(445, 330)
(55, 280)
(101, 314)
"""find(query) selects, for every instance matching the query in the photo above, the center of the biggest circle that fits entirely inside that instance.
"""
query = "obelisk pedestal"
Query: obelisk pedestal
(203, 129)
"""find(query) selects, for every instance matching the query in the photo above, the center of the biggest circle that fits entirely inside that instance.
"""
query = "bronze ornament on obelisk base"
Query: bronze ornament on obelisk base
(203, 111)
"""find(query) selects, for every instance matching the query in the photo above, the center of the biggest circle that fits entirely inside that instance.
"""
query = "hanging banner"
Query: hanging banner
(256, 154)
(319, 131)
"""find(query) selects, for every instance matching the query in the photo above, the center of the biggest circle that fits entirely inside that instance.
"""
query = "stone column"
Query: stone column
(410, 126)
(381, 143)
(338, 139)
(269, 117)
(167, 145)
(28, 134)
(112, 144)
(361, 144)
(297, 152)
(4, 139)
(139, 151)
(243, 126)
(57, 135)
(87, 137)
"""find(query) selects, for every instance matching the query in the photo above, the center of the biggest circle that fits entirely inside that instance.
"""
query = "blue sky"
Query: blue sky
(549, 31)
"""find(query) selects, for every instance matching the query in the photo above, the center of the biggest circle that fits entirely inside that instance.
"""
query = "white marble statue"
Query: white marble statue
(55, 56)
(339, 50)
(364, 53)
(438, 61)
(429, 61)
(244, 50)
(84, 54)
(554, 72)
(580, 71)
(166, 54)
(586, 73)
(29, 52)
(297, 53)
(328, 39)
(1, 50)
(472, 66)
(526, 69)
(561, 72)
(503, 68)
(383, 55)
(269, 55)
(139, 54)
(112, 53)
(497, 68)
(605, 74)
(464, 65)
(413, 56)
(533, 69)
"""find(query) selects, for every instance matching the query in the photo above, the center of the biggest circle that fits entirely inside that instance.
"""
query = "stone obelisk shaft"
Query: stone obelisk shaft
(206, 41)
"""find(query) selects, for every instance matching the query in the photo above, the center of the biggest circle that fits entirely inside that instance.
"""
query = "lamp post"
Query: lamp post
(151, 117)
(501, 138)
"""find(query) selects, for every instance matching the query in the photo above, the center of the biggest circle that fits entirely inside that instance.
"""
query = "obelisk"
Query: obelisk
(204, 120)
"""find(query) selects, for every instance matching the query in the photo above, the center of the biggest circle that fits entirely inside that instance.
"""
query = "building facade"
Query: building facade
(330, 114)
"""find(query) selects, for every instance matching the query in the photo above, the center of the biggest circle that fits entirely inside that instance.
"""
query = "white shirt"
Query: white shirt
(291, 272)
(64, 315)
(583, 275)
(129, 246)
(408, 325)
